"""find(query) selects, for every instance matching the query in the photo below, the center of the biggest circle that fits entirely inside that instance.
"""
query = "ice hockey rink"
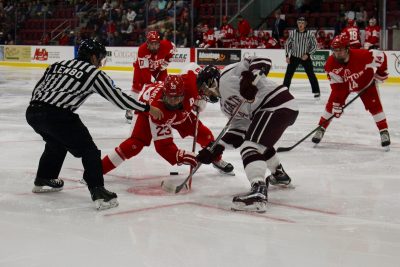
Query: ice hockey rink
(343, 211)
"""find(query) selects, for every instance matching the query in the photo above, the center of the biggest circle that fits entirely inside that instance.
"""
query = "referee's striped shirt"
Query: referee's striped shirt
(300, 43)
(67, 84)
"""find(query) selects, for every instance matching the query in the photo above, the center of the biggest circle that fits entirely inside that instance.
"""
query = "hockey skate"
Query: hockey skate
(318, 135)
(103, 199)
(45, 186)
(317, 96)
(385, 139)
(280, 177)
(224, 167)
(256, 200)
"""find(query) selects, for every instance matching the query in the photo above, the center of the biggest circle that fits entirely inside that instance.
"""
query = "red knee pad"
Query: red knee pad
(129, 148)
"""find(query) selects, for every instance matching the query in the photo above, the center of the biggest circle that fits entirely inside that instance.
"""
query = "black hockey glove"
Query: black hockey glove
(206, 156)
(247, 89)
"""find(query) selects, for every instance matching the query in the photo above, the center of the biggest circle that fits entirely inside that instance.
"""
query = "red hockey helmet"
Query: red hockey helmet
(174, 92)
(340, 41)
(153, 41)
(152, 36)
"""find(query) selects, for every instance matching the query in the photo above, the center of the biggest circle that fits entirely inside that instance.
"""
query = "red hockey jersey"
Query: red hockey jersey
(161, 130)
(150, 65)
(362, 68)
(372, 34)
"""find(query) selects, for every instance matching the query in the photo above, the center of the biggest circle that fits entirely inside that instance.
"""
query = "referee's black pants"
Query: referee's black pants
(63, 132)
(308, 67)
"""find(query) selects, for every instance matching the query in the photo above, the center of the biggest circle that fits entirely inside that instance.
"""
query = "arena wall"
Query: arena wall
(121, 58)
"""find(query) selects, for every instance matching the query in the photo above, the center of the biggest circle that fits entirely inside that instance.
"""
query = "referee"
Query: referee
(62, 90)
(299, 46)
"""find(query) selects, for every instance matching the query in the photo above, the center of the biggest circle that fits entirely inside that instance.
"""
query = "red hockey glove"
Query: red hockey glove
(206, 156)
(247, 90)
(185, 157)
(337, 109)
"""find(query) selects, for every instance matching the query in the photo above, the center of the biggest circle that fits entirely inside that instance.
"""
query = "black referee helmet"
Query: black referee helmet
(90, 47)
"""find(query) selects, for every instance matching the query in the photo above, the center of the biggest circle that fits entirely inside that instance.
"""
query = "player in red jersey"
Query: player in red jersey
(151, 64)
(372, 35)
(176, 97)
(352, 70)
(227, 33)
(353, 33)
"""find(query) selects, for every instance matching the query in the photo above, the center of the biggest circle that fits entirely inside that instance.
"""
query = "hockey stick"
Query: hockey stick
(194, 142)
(171, 188)
(284, 149)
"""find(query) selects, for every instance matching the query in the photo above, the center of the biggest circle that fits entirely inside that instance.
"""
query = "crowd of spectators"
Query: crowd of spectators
(125, 22)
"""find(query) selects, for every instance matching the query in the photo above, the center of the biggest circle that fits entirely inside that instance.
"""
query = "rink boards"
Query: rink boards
(122, 58)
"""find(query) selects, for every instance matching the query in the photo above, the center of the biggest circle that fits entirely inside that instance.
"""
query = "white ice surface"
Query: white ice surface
(344, 210)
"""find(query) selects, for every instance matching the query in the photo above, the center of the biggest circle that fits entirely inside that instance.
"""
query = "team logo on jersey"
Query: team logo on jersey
(352, 77)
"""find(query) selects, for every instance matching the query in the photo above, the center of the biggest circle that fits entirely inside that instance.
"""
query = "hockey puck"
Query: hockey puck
(173, 173)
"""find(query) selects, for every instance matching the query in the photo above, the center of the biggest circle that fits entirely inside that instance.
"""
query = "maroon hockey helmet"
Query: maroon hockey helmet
(340, 41)
(174, 92)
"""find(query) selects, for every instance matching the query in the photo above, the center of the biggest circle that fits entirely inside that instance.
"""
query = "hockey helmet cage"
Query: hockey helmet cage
(173, 92)
(340, 41)
(208, 79)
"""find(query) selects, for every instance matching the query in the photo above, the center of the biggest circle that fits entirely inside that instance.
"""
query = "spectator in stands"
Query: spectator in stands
(340, 24)
(131, 15)
(181, 39)
(243, 26)
(282, 41)
(351, 14)
(107, 6)
(361, 17)
(140, 19)
(45, 40)
(10, 40)
(279, 25)
(2, 38)
(64, 38)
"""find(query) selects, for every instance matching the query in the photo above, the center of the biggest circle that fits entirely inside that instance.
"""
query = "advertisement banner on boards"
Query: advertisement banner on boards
(278, 59)
(393, 63)
(17, 53)
(219, 57)
(318, 59)
(1, 52)
(51, 54)
(180, 59)
(121, 56)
